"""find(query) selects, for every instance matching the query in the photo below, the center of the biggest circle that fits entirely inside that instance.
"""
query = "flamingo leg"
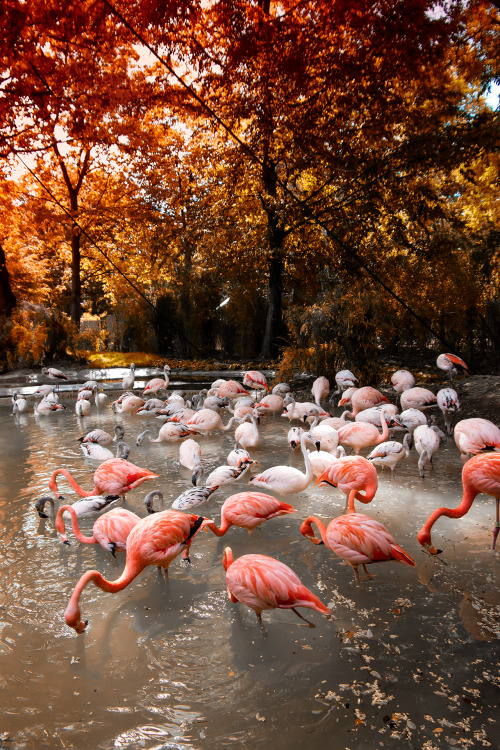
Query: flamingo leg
(368, 575)
(497, 524)
(309, 623)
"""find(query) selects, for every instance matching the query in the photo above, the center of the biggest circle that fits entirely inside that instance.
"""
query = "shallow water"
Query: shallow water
(408, 660)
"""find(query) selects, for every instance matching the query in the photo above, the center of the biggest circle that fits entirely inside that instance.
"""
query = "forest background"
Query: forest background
(312, 183)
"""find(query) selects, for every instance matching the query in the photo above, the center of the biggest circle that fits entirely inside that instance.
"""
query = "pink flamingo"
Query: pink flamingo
(364, 398)
(320, 389)
(155, 540)
(402, 380)
(451, 364)
(475, 435)
(231, 389)
(248, 510)
(418, 398)
(357, 539)
(207, 420)
(480, 474)
(158, 384)
(262, 582)
(345, 380)
(110, 530)
(352, 475)
(256, 380)
(270, 404)
(359, 435)
(116, 476)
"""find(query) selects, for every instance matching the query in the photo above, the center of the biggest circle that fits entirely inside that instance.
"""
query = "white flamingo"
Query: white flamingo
(247, 433)
(447, 400)
(287, 479)
(129, 379)
(426, 443)
(320, 389)
(390, 453)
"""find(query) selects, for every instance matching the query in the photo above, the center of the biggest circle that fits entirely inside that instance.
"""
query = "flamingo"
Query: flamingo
(352, 475)
(248, 510)
(53, 374)
(427, 442)
(19, 404)
(359, 435)
(85, 507)
(88, 385)
(151, 406)
(480, 474)
(320, 389)
(46, 407)
(190, 454)
(129, 379)
(263, 582)
(297, 409)
(85, 393)
(281, 389)
(246, 434)
(237, 455)
(411, 419)
(256, 380)
(287, 479)
(447, 400)
(111, 530)
(216, 403)
(364, 398)
(100, 398)
(357, 539)
(402, 380)
(321, 460)
(373, 415)
(418, 398)
(345, 379)
(347, 395)
(155, 540)
(451, 364)
(193, 497)
(207, 420)
(129, 404)
(328, 436)
(475, 435)
(227, 474)
(116, 476)
(44, 390)
(390, 453)
(181, 414)
(270, 404)
(231, 389)
(97, 452)
(158, 384)
(83, 407)
(101, 437)
(169, 432)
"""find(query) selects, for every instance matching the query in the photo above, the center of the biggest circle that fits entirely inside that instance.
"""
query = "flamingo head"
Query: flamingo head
(424, 538)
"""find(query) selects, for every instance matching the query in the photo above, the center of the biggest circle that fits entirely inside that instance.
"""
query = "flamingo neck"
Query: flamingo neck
(213, 528)
(470, 493)
(73, 483)
(307, 530)
(385, 426)
(73, 614)
(60, 526)
(307, 460)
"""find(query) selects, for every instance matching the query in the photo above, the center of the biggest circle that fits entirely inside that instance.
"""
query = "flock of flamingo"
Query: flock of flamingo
(259, 581)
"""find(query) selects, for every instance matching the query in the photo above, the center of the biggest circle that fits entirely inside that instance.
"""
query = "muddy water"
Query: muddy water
(409, 660)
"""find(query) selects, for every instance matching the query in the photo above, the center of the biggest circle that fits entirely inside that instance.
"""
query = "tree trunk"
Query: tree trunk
(276, 235)
(7, 297)
(76, 284)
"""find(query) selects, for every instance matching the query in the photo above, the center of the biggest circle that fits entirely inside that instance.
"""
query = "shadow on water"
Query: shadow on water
(408, 660)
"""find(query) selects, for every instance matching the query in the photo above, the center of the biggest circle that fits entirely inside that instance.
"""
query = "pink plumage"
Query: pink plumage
(263, 582)
(357, 539)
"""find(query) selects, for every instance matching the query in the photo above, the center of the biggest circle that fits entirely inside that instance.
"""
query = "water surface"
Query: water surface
(408, 660)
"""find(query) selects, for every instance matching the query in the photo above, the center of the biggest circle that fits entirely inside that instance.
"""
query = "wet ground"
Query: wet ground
(408, 660)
